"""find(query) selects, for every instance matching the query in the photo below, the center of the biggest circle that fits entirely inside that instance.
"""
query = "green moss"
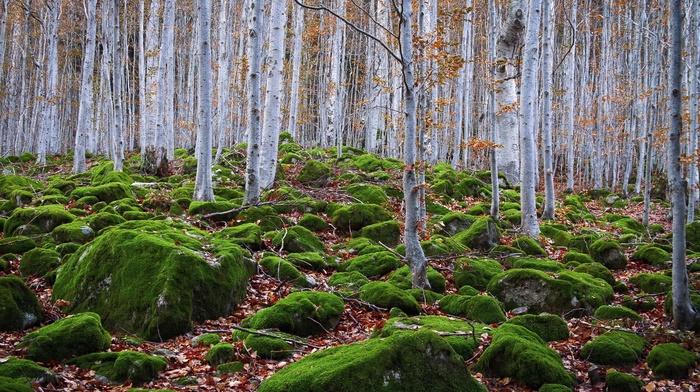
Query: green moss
(310, 260)
(247, 235)
(39, 261)
(122, 366)
(425, 296)
(314, 173)
(529, 245)
(24, 369)
(592, 292)
(268, 347)
(283, 270)
(554, 388)
(575, 202)
(223, 210)
(652, 283)
(367, 162)
(347, 280)
(302, 313)
(533, 289)
(354, 217)
(480, 308)
(78, 232)
(11, 182)
(668, 304)
(670, 361)
(372, 264)
(470, 186)
(313, 222)
(298, 239)
(102, 220)
(43, 218)
(401, 278)
(67, 337)
(230, 367)
(116, 176)
(387, 233)
(367, 193)
(652, 254)
(388, 296)
(609, 253)
(482, 234)
(220, 353)
(614, 348)
(401, 362)
(264, 216)
(519, 353)
(15, 385)
(642, 303)
(597, 270)
(454, 222)
(545, 265)
(137, 215)
(207, 339)
(475, 272)
(106, 193)
(692, 238)
(19, 244)
(620, 382)
(20, 307)
(549, 327)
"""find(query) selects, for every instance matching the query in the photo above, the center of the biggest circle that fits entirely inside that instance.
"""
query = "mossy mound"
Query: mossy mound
(348, 280)
(388, 296)
(475, 272)
(532, 289)
(367, 193)
(264, 216)
(311, 260)
(670, 361)
(652, 254)
(354, 217)
(372, 264)
(652, 283)
(122, 366)
(554, 388)
(298, 239)
(15, 385)
(39, 261)
(103, 220)
(11, 182)
(26, 370)
(19, 244)
(218, 211)
(607, 312)
(207, 339)
(580, 243)
(401, 362)
(107, 193)
(425, 296)
(575, 202)
(640, 303)
(454, 222)
(302, 313)
(480, 308)
(78, 232)
(314, 173)
(614, 348)
(692, 236)
(67, 337)
(629, 225)
(549, 327)
(36, 220)
(387, 233)
(620, 382)
(230, 368)
(247, 235)
(529, 245)
(220, 353)
(152, 278)
(19, 307)
(482, 234)
(609, 253)
(268, 347)
(401, 278)
(281, 269)
(519, 353)
(590, 291)
(545, 265)
(668, 303)
(597, 270)
(463, 336)
(583, 258)
(313, 222)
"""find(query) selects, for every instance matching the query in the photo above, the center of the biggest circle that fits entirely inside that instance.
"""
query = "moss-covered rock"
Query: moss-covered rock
(15, 385)
(554, 388)
(549, 327)
(314, 173)
(387, 233)
(575, 202)
(597, 270)
(454, 222)
(311, 260)
(480, 308)
(692, 237)
(103, 220)
(372, 264)
(652, 283)
(122, 366)
(39, 261)
(313, 222)
(153, 278)
(354, 217)
(401, 278)
(298, 239)
(590, 291)
(388, 296)
(348, 280)
(67, 337)
(401, 362)
(607, 312)
(218, 211)
(620, 382)
(19, 307)
(207, 339)
(367, 193)
(230, 368)
(475, 272)
(303, 313)
(77, 231)
(268, 347)
(482, 234)
(519, 353)
(247, 235)
(614, 348)
(26, 370)
(652, 254)
(532, 289)
(107, 193)
(283, 270)
(670, 361)
(16, 245)
(11, 182)
(36, 220)
(220, 353)
(609, 253)
(545, 265)
(529, 245)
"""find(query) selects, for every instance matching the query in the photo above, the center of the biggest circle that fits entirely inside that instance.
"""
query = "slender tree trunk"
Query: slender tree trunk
(547, 69)
(492, 113)
(117, 76)
(223, 83)
(166, 81)
(50, 113)
(570, 80)
(694, 73)
(86, 110)
(298, 44)
(203, 188)
(252, 179)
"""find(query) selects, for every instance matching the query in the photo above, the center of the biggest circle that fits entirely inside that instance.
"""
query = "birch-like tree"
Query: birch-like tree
(252, 171)
(203, 188)
(49, 132)
(547, 69)
(85, 110)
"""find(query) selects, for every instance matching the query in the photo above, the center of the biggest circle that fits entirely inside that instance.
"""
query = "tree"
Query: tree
(547, 69)
(86, 99)
(49, 134)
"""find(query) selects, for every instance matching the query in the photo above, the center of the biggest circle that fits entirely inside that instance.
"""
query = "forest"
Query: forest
(349, 195)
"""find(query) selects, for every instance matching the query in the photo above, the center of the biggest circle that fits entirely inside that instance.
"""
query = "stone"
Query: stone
(298, 239)
(122, 366)
(549, 327)
(20, 307)
(476, 272)
(388, 296)
(480, 308)
(482, 235)
(26, 370)
(372, 264)
(354, 217)
(532, 288)
(609, 253)
(36, 220)
(670, 361)
(39, 261)
(614, 348)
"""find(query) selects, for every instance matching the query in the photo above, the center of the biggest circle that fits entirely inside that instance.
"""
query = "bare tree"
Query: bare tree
(203, 188)
(86, 97)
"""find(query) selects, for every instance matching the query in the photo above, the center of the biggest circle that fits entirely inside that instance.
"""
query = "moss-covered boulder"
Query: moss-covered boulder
(15, 385)
(480, 308)
(247, 235)
(269, 347)
(597, 270)
(367, 193)
(67, 337)
(206, 339)
(283, 270)
(26, 370)
(298, 239)
(347, 280)
(652, 254)
(372, 264)
(520, 354)
(387, 233)
(475, 272)
(107, 193)
(39, 261)
(122, 366)
(36, 220)
(220, 353)
(670, 360)
(582, 258)
(406, 361)
(311, 260)
(533, 289)
(549, 327)
(264, 216)
(11, 182)
(652, 283)
(620, 382)
(19, 306)
(77, 231)
(103, 220)
(614, 348)
(529, 245)
(692, 237)
(314, 173)
(482, 234)
(218, 211)
(545, 265)
(590, 291)
(401, 278)
(454, 222)
(354, 217)
(609, 253)
(313, 222)
(153, 278)
(16, 245)
(388, 296)
(303, 313)
(607, 312)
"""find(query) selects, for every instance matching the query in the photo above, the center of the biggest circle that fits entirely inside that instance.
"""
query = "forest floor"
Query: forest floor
(358, 322)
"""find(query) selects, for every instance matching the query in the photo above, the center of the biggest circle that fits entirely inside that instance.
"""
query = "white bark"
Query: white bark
(465, 85)
(149, 136)
(570, 80)
(297, 45)
(252, 180)
(86, 109)
(495, 196)
(203, 188)
(117, 75)
(50, 124)
(166, 81)
(694, 73)
(332, 104)
(224, 81)
(547, 69)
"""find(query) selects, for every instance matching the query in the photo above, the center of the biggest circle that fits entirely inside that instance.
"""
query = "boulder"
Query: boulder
(37, 220)
(670, 361)
(652, 254)
(387, 233)
(298, 239)
(26, 370)
(221, 353)
(313, 222)
(372, 264)
(614, 348)
(548, 327)
(591, 292)
(367, 193)
(529, 245)
(281, 269)
(77, 231)
(476, 272)
(388, 296)
(20, 307)
(480, 308)
(107, 193)
(454, 222)
(16, 245)
(354, 217)
(533, 289)
(247, 235)
(620, 382)
(482, 235)
(609, 253)
(122, 366)
(607, 312)
(314, 173)
(39, 261)
(652, 283)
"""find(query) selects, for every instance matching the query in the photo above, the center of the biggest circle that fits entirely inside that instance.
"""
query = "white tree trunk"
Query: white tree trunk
(166, 81)
(117, 76)
(297, 46)
(333, 109)
(694, 192)
(203, 188)
(492, 113)
(86, 109)
(149, 136)
(252, 179)
(570, 80)
(547, 69)
(223, 82)
(49, 126)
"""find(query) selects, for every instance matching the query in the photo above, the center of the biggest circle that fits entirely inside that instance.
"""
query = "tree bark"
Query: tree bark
(547, 69)
(86, 99)
(252, 179)
(203, 189)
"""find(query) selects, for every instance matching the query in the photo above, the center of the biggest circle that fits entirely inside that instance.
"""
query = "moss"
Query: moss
(67, 337)
(642, 303)
(268, 347)
(230, 368)
(247, 235)
(116, 176)
(475, 272)
(533, 289)
(310, 260)
(470, 186)
(426, 296)
(597, 270)
(387, 233)
(15, 385)
(670, 361)
(122, 366)
(348, 280)
(354, 217)
(367, 162)
(19, 244)
(482, 234)
(554, 388)
(614, 348)
(283, 270)
(313, 222)
(454, 222)
(629, 224)
(609, 253)
(39, 261)
(545, 265)
(592, 292)
(106, 193)
(153, 278)
(303, 313)
(102, 220)
(372, 264)
(575, 202)
(314, 173)
(20, 307)
(207, 339)
(549, 327)
(264, 216)
(529, 245)
(298, 239)
(520, 354)
(223, 210)
(400, 362)
(220, 353)
(388, 296)
(652, 283)
(668, 304)
(137, 215)
(480, 308)
(581, 243)
(652, 254)
(692, 239)
(367, 193)
(620, 382)
(607, 312)
(401, 278)
(24, 369)
(43, 218)
(78, 232)
(11, 182)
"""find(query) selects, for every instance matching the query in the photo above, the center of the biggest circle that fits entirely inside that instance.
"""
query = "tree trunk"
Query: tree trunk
(570, 80)
(297, 46)
(694, 73)
(547, 69)
(252, 179)
(495, 202)
(86, 109)
(50, 112)
(203, 189)
(117, 76)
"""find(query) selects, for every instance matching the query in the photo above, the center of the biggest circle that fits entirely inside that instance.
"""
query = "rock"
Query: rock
(77, 231)
(281, 269)
(482, 235)
(480, 308)
(614, 348)
(549, 327)
(153, 278)
(36, 220)
(652, 254)
(597, 270)
(387, 233)
(39, 261)
(620, 382)
(529, 245)
(268, 347)
(122, 366)
(264, 216)
(207, 339)
(15, 385)
(591, 292)
(544, 265)
(607, 312)
(247, 235)
(220, 353)
(347, 280)
(313, 222)
(388, 296)
(476, 272)
(26, 370)
(454, 222)
(107, 193)
(670, 361)
(609, 253)
(372, 264)
(401, 278)
(405, 361)
(314, 173)
(298, 239)
(692, 239)
(532, 288)
(354, 217)
(652, 283)
(20, 307)
(16, 245)
(311, 260)
(367, 193)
